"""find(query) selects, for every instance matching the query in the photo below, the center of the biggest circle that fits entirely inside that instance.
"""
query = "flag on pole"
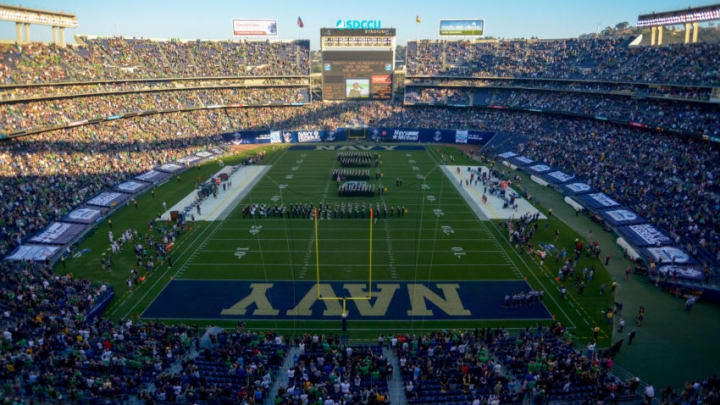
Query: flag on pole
(300, 23)
(417, 19)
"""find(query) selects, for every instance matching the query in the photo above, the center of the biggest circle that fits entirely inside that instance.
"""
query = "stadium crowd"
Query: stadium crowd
(697, 118)
(599, 59)
(684, 92)
(20, 92)
(53, 353)
(668, 180)
(327, 370)
(39, 114)
(46, 175)
(491, 366)
(132, 58)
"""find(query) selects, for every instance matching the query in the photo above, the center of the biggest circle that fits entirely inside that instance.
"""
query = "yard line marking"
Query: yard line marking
(347, 251)
(381, 280)
(356, 264)
(351, 239)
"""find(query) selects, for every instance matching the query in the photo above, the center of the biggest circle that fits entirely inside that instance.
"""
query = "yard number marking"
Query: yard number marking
(241, 252)
(447, 230)
(458, 251)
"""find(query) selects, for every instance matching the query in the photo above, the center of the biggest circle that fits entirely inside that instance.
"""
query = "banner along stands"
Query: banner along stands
(577, 188)
(521, 161)
(152, 176)
(132, 187)
(642, 235)
(538, 168)
(84, 215)
(686, 272)
(169, 168)
(598, 201)
(108, 199)
(558, 177)
(621, 216)
(58, 233)
(667, 255)
(38, 253)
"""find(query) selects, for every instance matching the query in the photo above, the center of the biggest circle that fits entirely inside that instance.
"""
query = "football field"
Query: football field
(439, 265)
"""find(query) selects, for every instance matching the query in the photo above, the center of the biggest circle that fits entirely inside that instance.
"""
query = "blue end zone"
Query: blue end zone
(356, 147)
(392, 300)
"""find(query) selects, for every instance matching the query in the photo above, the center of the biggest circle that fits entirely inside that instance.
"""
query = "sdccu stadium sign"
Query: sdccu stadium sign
(391, 300)
(357, 24)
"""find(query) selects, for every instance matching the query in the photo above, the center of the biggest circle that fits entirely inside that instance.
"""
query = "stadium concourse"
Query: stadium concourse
(89, 155)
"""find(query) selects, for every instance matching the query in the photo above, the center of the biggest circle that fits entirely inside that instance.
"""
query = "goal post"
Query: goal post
(317, 268)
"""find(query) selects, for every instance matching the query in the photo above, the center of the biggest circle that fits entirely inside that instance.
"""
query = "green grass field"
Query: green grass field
(421, 246)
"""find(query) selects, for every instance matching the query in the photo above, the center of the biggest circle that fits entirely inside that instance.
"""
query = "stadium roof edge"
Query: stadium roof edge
(34, 10)
(679, 11)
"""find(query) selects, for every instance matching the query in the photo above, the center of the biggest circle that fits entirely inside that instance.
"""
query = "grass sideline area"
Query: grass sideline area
(414, 247)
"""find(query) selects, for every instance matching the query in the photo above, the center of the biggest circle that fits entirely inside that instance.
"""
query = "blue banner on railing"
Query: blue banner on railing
(427, 135)
(423, 135)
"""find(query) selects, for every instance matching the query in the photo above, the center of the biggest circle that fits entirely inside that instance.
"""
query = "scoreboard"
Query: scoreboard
(357, 63)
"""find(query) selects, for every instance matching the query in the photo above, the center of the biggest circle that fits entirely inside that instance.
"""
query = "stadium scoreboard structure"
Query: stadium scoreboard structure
(357, 63)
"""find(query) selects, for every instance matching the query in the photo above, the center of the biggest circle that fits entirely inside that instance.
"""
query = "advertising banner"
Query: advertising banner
(132, 187)
(205, 154)
(622, 216)
(521, 161)
(538, 168)
(598, 201)
(558, 177)
(577, 188)
(461, 136)
(108, 199)
(686, 272)
(38, 253)
(170, 168)
(255, 28)
(464, 28)
(644, 235)
(84, 215)
(189, 160)
(309, 136)
(58, 233)
(152, 176)
(667, 255)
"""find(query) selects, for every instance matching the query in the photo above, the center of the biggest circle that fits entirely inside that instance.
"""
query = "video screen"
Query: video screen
(357, 88)
(357, 75)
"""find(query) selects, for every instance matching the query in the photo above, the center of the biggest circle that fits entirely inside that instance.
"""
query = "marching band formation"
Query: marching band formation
(357, 189)
(341, 175)
(358, 159)
(325, 211)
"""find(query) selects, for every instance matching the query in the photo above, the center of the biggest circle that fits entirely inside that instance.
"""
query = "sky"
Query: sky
(212, 19)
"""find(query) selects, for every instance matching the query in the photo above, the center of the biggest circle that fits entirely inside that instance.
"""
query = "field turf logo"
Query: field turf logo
(357, 24)
(391, 300)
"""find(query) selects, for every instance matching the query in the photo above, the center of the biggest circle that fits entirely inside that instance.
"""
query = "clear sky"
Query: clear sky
(212, 19)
